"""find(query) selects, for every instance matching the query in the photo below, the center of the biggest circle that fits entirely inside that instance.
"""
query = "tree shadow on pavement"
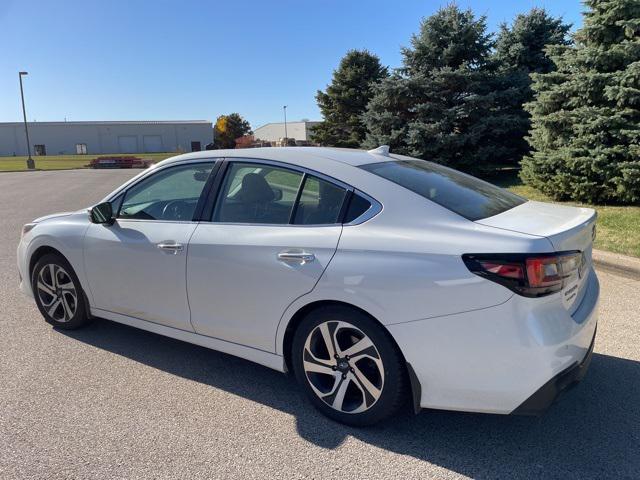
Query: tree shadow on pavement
(592, 432)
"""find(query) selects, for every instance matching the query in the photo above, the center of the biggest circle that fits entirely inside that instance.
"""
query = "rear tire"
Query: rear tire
(348, 366)
(58, 293)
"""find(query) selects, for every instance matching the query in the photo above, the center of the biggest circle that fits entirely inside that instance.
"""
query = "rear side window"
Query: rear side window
(463, 194)
(357, 206)
(320, 202)
(257, 193)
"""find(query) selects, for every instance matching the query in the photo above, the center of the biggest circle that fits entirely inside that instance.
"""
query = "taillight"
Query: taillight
(528, 275)
(506, 270)
(543, 271)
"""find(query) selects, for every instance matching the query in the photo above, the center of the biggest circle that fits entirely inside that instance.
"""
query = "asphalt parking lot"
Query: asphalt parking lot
(110, 401)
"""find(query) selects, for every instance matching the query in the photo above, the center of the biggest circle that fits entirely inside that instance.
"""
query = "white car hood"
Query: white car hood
(54, 215)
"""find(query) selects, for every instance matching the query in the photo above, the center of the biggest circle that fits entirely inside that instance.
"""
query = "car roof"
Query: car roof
(319, 155)
(337, 163)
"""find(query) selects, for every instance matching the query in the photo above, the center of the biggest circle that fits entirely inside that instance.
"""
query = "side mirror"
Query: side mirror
(102, 213)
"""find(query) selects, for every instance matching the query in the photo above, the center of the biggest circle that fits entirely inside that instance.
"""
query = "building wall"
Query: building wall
(60, 138)
(272, 132)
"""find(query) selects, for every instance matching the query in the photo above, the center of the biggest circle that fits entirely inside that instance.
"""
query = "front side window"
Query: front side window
(463, 194)
(257, 193)
(171, 194)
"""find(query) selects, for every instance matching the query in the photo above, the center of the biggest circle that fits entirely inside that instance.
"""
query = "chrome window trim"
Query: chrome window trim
(290, 166)
(272, 224)
(123, 219)
(375, 209)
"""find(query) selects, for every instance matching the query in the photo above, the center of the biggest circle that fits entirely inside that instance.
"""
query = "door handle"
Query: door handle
(172, 248)
(296, 257)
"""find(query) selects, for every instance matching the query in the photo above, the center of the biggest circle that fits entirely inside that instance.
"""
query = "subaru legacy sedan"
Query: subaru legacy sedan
(378, 280)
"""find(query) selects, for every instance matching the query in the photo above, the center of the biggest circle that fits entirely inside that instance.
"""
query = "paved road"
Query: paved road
(110, 401)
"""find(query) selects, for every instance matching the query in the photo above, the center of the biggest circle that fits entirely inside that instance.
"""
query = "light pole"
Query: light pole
(30, 163)
(286, 137)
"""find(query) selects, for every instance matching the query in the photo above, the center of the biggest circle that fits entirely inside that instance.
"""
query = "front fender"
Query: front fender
(66, 235)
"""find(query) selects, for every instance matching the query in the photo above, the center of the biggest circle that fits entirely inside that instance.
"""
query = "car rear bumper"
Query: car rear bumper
(545, 396)
(493, 360)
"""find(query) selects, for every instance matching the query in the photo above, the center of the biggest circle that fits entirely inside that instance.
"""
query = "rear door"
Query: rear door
(272, 233)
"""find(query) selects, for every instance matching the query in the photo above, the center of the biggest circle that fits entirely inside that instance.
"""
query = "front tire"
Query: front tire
(58, 293)
(348, 366)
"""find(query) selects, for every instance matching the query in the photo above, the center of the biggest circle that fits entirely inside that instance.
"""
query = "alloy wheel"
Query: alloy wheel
(343, 367)
(57, 293)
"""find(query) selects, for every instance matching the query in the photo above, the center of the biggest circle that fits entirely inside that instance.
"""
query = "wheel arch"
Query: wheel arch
(43, 250)
(302, 312)
(40, 252)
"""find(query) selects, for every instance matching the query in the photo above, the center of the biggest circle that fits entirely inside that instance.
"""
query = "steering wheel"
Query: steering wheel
(176, 210)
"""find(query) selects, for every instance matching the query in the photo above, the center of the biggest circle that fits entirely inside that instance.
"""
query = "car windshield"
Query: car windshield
(470, 197)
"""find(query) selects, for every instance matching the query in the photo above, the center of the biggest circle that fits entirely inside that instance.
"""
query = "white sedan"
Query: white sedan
(375, 278)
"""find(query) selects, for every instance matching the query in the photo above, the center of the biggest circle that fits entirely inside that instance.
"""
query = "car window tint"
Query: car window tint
(463, 194)
(116, 202)
(257, 193)
(170, 194)
(320, 202)
(357, 206)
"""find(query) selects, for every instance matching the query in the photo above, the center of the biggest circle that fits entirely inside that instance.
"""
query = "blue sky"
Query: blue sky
(177, 60)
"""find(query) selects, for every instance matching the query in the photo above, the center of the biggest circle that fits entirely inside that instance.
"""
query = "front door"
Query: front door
(266, 245)
(137, 266)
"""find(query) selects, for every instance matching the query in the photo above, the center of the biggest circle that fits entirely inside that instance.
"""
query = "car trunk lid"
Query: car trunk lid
(567, 228)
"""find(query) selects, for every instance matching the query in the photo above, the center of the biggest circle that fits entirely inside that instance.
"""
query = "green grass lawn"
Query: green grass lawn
(618, 227)
(63, 162)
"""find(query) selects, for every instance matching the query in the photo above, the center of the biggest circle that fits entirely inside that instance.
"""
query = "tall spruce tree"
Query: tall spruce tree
(446, 102)
(586, 115)
(521, 46)
(520, 51)
(345, 100)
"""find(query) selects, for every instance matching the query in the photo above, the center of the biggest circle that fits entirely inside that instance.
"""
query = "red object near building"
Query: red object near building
(118, 162)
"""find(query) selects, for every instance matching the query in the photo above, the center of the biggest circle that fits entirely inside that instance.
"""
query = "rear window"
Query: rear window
(463, 194)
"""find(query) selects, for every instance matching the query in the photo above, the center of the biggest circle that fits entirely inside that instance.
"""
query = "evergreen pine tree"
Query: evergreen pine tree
(521, 46)
(345, 100)
(446, 103)
(586, 115)
(520, 51)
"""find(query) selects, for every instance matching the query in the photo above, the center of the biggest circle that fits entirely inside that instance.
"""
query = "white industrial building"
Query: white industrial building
(65, 138)
(274, 132)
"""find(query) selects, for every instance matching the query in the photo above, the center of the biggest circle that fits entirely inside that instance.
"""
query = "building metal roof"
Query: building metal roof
(288, 123)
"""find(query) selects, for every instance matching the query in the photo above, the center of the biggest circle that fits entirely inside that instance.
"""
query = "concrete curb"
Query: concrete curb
(618, 264)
